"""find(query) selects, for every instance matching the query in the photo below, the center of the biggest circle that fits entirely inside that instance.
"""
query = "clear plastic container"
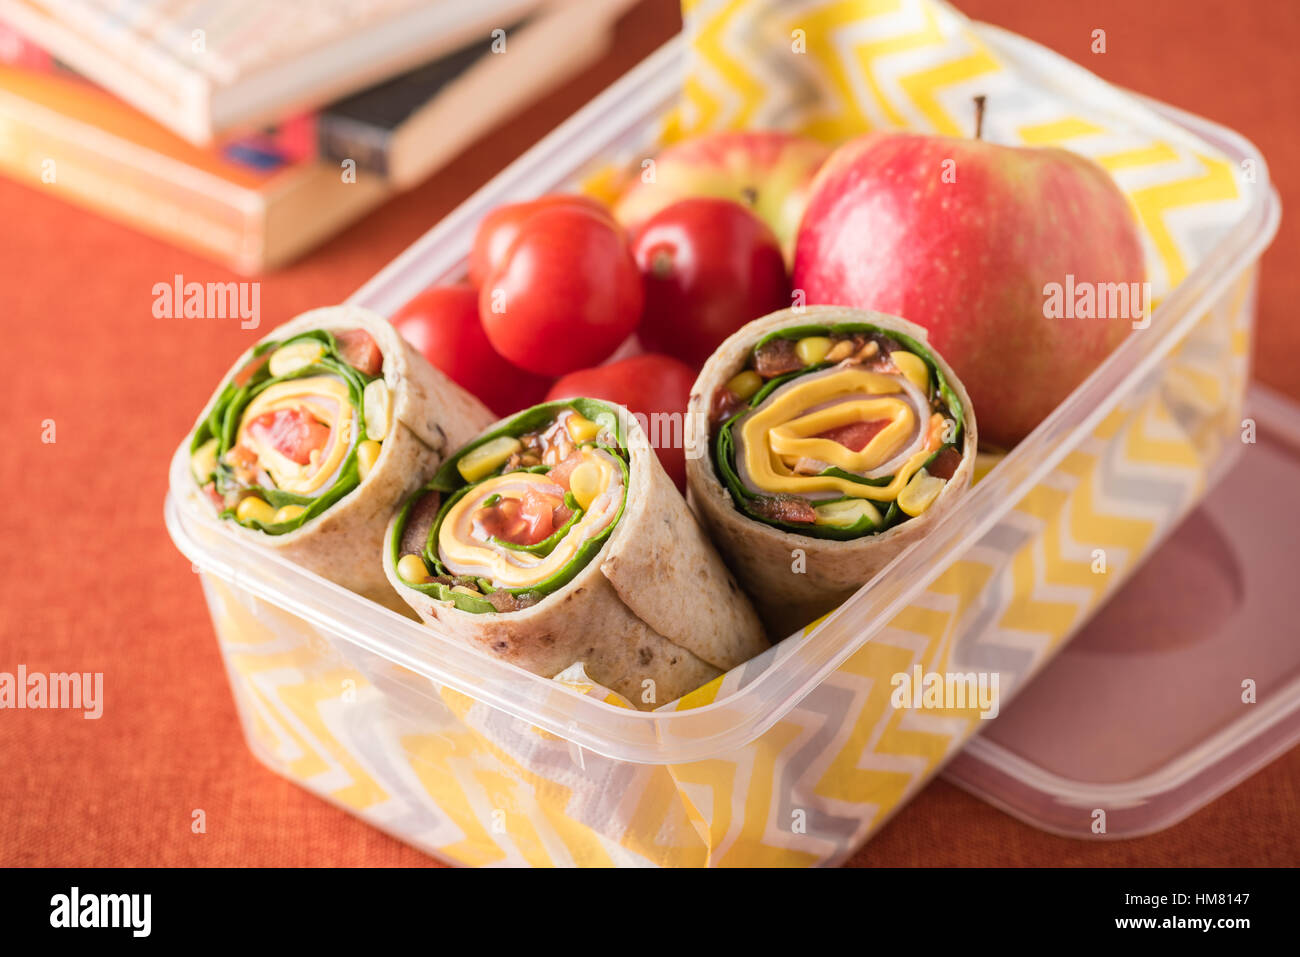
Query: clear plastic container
(1185, 684)
(796, 757)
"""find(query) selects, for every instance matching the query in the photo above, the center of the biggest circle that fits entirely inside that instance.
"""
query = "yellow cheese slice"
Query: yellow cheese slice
(798, 437)
(782, 430)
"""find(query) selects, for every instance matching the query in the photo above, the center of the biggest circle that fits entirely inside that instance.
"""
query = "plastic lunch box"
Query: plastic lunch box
(798, 756)
(1186, 683)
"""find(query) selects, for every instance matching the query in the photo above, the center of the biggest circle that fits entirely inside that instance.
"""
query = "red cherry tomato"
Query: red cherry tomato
(560, 473)
(359, 350)
(855, 435)
(525, 521)
(498, 229)
(291, 432)
(566, 295)
(710, 266)
(442, 323)
(657, 387)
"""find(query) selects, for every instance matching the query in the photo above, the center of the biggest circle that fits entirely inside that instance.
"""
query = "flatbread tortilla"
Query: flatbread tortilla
(795, 579)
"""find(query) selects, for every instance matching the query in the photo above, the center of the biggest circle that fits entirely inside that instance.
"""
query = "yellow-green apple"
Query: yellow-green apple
(968, 238)
(767, 171)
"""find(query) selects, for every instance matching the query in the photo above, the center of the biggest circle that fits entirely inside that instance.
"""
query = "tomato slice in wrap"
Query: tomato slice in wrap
(296, 428)
(520, 511)
(836, 432)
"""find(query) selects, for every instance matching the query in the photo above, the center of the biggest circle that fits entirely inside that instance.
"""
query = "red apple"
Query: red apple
(709, 266)
(965, 237)
(766, 171)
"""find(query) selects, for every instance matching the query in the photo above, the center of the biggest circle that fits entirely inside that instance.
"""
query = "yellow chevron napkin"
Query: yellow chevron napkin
(833, 69)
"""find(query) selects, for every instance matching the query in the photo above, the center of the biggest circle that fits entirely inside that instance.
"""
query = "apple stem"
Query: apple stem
(979, 115)
(661, 263)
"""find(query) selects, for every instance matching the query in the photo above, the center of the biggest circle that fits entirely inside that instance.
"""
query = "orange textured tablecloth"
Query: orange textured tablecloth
(91, 582)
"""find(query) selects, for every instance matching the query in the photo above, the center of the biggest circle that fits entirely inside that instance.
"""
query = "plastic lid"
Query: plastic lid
(1146, 714)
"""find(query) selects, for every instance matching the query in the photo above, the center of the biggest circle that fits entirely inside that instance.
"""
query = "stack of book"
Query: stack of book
(250, 131)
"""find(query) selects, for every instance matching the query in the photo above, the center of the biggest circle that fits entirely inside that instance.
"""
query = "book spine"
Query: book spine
(40, 155)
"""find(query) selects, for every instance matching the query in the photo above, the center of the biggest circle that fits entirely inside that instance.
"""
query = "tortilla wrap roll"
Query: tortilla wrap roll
(556, 537)
(319, 433)
(836, 438)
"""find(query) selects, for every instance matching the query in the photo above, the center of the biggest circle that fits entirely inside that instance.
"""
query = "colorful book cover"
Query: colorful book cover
(64, 135)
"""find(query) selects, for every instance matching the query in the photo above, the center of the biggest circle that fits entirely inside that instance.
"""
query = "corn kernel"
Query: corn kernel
(204, 461)
(376, 404)
(367, 455)
(295, 356)
(744, 384)
(812, 349)
(581, 428)
(287, 513)
(585, 482)
(411, 568)
(913, 368)
(252, 508)
(919, 494)
(481, 462)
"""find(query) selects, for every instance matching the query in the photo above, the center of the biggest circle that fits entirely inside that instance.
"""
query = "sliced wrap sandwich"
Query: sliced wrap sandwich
(556, 537)
(835, 438)
(319, 433)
